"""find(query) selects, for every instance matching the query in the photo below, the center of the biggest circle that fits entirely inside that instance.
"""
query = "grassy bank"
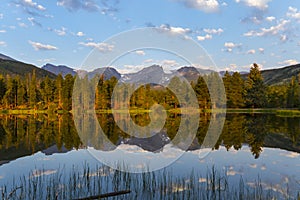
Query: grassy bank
(279, 112)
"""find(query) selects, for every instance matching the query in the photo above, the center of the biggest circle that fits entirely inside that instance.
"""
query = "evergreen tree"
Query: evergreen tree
(58, 91)
(202, 93)
(234, 90)
(67, 90)
(33, 91)
(10, 97)
(47, 91)
(255, 88)
(2, 87)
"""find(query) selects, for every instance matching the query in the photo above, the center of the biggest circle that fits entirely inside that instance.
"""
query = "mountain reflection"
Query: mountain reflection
(22, 135)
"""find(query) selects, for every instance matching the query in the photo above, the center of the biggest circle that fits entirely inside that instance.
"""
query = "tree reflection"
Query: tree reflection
(25, 134)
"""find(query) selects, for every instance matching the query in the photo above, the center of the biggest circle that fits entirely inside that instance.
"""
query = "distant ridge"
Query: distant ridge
(4, 57)
(59, 69)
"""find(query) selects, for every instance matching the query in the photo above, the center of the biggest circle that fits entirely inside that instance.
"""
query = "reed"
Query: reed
(84, 182)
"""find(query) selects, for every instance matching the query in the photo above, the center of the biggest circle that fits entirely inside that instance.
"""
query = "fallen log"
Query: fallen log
(111, 194)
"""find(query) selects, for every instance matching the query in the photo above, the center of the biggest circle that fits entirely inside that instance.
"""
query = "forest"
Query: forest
(56, 94)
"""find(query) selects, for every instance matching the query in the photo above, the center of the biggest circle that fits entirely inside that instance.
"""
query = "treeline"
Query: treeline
(33, 93)
(56, 94)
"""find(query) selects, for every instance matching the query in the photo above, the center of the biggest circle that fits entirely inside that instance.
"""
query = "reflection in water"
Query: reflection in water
(274, 143)
(22, 135)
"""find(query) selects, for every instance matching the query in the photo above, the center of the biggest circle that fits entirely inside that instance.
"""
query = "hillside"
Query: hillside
(279, 75)
(13, 68)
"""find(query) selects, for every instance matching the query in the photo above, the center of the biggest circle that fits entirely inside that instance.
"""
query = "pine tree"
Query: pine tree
(58, 91)
(202, 93)
(33, 91)
(67, 90)
(255, 88)
(2, 87)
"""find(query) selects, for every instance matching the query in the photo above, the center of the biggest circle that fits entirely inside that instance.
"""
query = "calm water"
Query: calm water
(255, 147)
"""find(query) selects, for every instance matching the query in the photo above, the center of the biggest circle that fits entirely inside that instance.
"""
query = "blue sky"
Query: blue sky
(234, 33)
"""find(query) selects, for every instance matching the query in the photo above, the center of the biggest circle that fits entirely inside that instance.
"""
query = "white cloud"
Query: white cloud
(290, 154)
(46, 60)
(74, 5)
(102, 47)
(34, 22)
(288, 62)
(283, 38)
(270, 18)
(80, 34)
(140, 52)
(293, 13)
(261, 50)
(251, 51)
(170, 63)
(22, 24)
(2, 43)
(148, 61)
(259, 4)
(30, 3)
(1, 15)
(39, 46)
(131, 69)
(61, 32)
(206, 37)
(3, 31)
(230, 46)
(203, 5)
(214, 31)
(174, 30)
(273, 30)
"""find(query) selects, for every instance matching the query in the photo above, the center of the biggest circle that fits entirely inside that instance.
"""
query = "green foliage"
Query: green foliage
(33, 92)
(255, 88)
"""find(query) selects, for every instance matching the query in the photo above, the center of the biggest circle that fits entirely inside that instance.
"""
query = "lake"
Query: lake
(256, 156)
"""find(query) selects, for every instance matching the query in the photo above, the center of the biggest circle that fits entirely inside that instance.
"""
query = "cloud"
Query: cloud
(80, 34)
(102, 47)
(251, 51)
(61, 32)
(261, 50)
(288, 62)
(34, 22)
(75, 5)
(270, 18)
(39, 46)
(293, 13)
(259, 4)
(273, 30)
(214, 31)
(140, 52)
(206, 37)
(22, 24)
(1, 15)
(283, 38)
(203, 5)
(174, 30)
(290, 154)
(31, 4)
(230, 46)
(2, 31)
(169, 63)
(2, 44)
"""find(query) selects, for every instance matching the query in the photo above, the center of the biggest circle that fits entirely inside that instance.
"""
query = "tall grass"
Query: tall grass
(161, 184)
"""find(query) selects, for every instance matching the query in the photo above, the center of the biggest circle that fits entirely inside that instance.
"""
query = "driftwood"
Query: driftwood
(111, 194)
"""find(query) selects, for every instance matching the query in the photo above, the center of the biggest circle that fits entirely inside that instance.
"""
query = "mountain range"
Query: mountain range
(151, 74)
